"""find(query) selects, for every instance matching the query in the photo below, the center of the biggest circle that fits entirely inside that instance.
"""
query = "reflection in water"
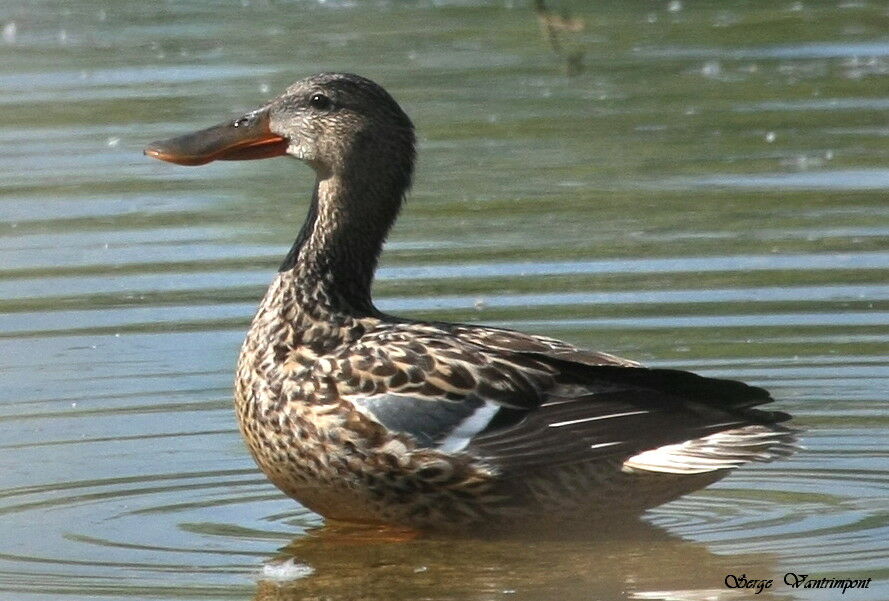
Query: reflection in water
(626, 561)
(554, 26)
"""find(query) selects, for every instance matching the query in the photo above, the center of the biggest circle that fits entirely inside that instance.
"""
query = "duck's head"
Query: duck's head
(340, 124)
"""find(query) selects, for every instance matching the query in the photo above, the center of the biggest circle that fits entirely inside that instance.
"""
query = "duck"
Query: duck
(366, 417)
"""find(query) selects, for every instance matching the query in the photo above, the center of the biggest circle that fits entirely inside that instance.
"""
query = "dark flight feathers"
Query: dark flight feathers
(583, 411)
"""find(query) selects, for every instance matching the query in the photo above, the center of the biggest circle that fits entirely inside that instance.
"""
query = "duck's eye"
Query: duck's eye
(320, 101)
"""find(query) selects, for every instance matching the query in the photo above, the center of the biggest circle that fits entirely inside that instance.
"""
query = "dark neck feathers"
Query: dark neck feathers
(334, 257)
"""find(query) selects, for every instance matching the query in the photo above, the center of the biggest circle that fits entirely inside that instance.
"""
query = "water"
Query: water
(709, 193)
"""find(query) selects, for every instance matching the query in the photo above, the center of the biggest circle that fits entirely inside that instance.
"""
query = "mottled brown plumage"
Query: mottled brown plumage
(367, 417)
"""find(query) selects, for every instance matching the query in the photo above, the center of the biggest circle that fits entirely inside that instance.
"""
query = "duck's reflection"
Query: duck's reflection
(621, 561)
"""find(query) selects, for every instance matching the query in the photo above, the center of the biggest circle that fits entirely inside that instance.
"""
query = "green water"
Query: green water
(708, 193)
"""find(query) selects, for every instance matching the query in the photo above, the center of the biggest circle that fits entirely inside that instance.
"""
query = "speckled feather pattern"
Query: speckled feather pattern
(297, 372)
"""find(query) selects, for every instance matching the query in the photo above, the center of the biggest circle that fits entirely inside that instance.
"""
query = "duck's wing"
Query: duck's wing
(442, 390)
(521, 401)
(511, 341)
(628, 411)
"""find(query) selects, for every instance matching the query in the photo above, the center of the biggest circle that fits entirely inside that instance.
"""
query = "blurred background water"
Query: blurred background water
(706, 191)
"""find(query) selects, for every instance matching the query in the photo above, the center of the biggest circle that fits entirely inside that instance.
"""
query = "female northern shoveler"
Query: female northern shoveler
(363, 416)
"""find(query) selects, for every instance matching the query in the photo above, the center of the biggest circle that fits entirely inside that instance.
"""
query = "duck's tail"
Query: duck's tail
(720, 451)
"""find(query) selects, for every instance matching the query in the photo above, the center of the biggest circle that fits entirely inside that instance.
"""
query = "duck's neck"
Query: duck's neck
(333, 259)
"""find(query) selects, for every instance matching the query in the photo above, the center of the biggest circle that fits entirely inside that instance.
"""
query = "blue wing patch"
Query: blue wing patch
(447, 425)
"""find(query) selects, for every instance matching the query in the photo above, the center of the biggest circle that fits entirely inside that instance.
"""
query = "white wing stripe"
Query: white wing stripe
(591, 419)
(604, 444)
(460, 436)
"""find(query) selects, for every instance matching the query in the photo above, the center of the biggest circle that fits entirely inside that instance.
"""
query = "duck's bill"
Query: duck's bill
(243, 139)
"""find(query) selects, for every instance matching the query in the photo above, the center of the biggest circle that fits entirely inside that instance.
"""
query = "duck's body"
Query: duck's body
(366, 417)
